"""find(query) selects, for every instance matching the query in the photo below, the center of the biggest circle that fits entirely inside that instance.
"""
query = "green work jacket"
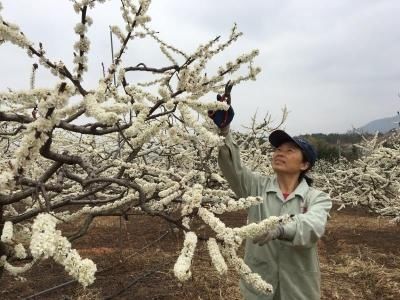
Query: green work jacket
(292, 265)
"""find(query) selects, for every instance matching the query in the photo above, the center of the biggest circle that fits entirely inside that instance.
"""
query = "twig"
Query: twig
(143, 67)
(50, 289)
(83, 229)
(112, 54)
(144, 275)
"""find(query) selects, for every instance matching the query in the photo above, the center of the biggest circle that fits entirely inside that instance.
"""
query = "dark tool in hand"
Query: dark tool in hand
(223, 118)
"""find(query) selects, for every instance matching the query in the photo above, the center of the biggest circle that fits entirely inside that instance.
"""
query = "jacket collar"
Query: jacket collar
(300, 190)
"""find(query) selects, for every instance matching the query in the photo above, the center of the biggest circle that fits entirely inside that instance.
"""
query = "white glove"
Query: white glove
(274, 234)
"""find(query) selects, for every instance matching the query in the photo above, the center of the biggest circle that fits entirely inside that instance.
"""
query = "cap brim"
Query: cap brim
(278, 137)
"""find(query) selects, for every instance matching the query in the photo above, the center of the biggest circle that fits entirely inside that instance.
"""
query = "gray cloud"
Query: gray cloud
(333, 63)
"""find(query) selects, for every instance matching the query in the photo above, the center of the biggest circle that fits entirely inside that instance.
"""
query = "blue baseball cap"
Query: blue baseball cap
(278, 137)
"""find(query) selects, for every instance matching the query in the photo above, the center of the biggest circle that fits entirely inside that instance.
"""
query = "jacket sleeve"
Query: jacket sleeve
(307, 228)
(242, 181)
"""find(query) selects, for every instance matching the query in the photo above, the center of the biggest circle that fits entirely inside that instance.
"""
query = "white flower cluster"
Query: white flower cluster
(160, 80)
(202, 107)
(11, 33)
(192, 199)
(252, 279)
(48, 242)
(223, 233)
(79, 5)
(43, 235)
(139, 124)
(82, 270)
(82, 46)
(153, 34)
(253, 230)
(6, 180)
(216, 256)
(168, 55)
(10, 237)
(110, 207)
(184, 261)
(94, 109)
(171, 190)
(234, 205)
(18, 101)
(218, 196)
(169, 187)
(15, 270)
(209, 138)
(149, 188)
(34, 138)
(8, 232)
(20, 251)
(165, 201)
(133, 15)
(173, 135)
(150, 131)
(118, 32)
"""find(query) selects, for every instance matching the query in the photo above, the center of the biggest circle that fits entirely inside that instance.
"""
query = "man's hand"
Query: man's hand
(277, 233)
(223, 118)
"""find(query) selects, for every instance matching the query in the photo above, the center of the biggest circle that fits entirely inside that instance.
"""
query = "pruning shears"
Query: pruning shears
(222, 118)
(227, 93)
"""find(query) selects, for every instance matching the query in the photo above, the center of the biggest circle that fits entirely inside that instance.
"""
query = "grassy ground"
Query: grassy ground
(359, 255)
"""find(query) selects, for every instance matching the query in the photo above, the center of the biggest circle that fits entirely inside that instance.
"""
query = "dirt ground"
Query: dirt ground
(359, 256)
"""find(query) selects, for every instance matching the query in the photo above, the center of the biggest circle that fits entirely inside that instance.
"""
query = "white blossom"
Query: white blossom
(230, 205)
(251, 278)
(47, 242)
(8, 232)
(184, 261)
(224, 233)
(80, 28)
(11, 33)
(216, 256)
(254, 230)
(192, 199)
(20, 251)
(15, 270)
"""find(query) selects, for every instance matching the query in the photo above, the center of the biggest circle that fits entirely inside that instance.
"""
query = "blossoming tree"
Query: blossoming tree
(151, 148)
(373, 181)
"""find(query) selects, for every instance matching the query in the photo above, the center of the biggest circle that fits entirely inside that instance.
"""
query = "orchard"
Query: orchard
(140, 142)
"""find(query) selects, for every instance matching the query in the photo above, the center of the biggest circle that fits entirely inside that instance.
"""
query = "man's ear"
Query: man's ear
(305, 166)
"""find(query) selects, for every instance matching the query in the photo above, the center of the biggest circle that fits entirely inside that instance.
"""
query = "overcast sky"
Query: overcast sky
(334, 64)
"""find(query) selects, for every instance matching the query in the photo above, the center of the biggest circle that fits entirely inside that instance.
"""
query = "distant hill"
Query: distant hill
(382, 125)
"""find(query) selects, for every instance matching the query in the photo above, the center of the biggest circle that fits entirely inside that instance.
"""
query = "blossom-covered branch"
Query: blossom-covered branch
(151, 148)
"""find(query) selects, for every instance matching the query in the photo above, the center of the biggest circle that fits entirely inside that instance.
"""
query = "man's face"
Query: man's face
(288, 159)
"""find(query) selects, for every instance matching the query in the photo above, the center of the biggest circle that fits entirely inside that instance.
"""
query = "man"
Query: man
(286, 257)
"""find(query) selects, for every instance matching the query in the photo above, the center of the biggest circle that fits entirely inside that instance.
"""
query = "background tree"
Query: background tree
(372, 181)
